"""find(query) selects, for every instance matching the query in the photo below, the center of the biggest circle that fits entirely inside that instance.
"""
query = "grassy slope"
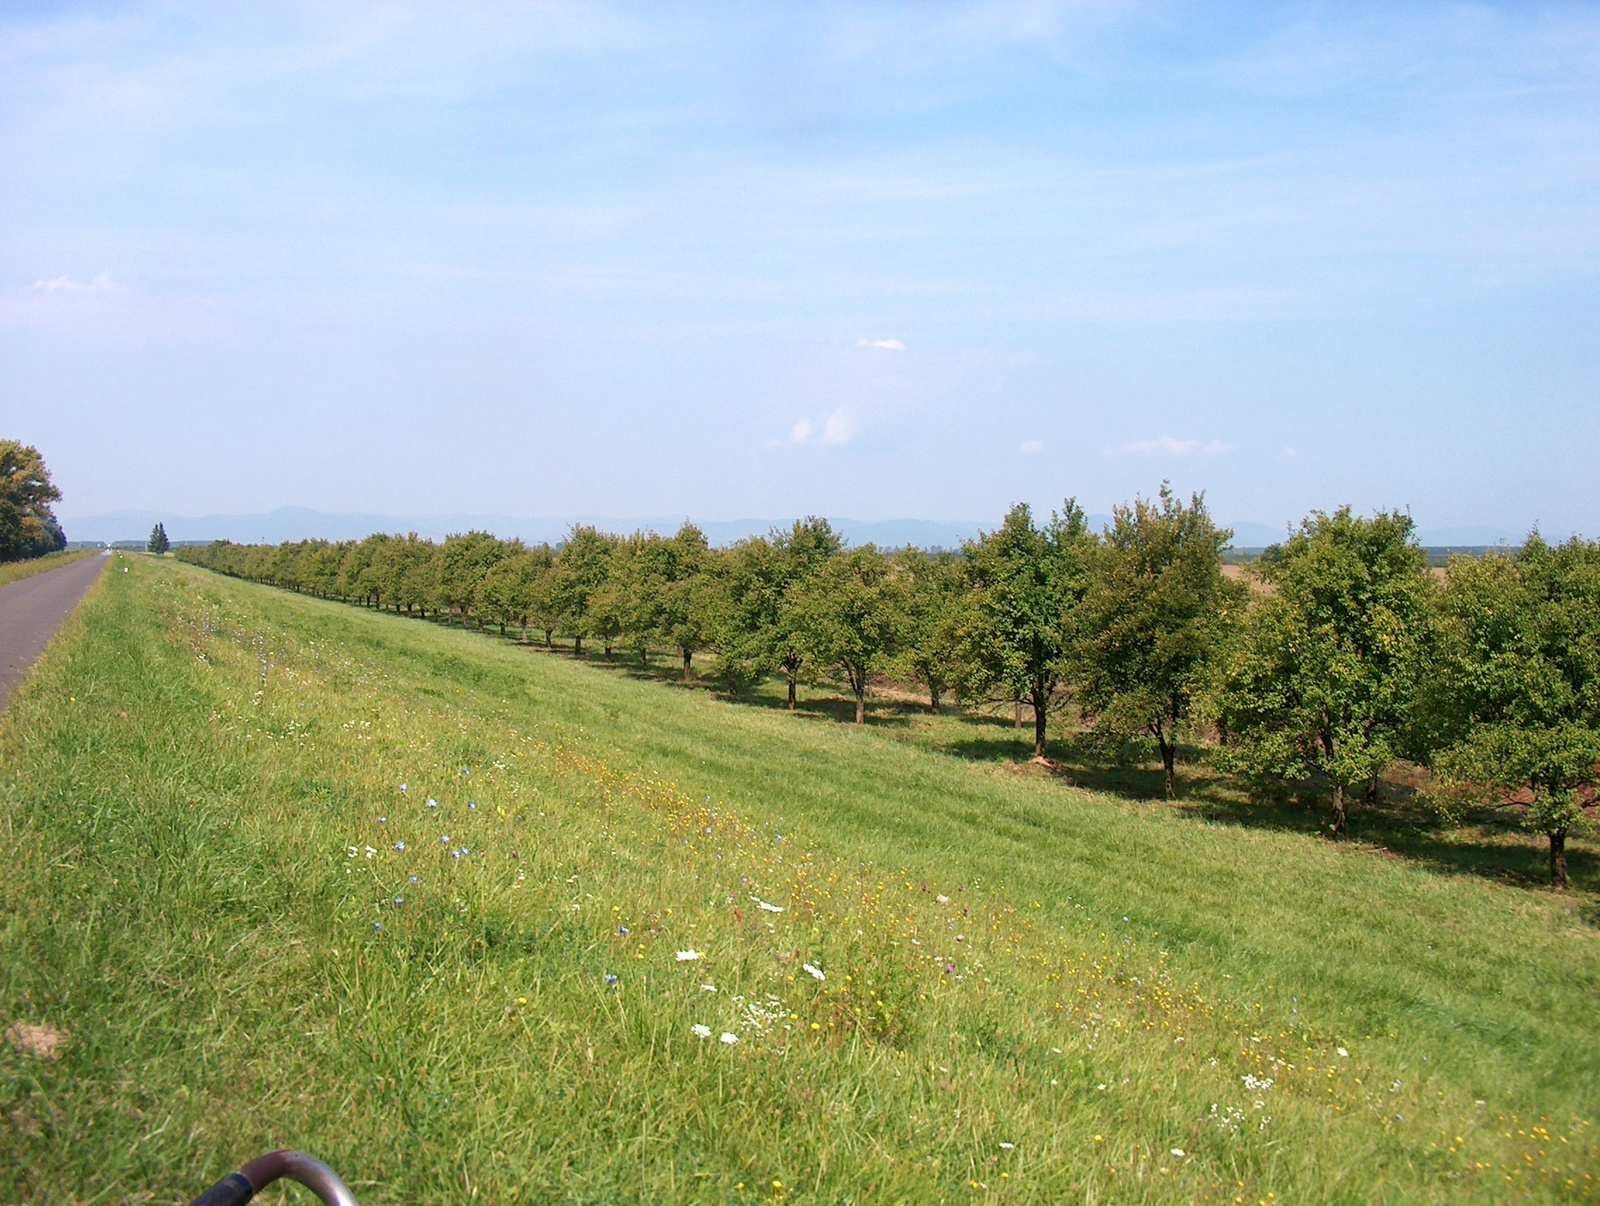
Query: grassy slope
(13, 571)
(180, 896)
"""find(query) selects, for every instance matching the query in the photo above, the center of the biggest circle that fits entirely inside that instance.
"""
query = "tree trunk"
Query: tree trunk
(1041, 716)
(933, 699)
(1019, 716)
(1558, 859)
(688, 663)
(608, 651)
(791, 693)
(1338, 810)
(1169, 755)
(550, 638)
(644, 658)
(524, 630)
(861, 703)
(577, 646)
(502, 628)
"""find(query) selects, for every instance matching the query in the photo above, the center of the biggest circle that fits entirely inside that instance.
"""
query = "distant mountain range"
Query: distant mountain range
(302, 523)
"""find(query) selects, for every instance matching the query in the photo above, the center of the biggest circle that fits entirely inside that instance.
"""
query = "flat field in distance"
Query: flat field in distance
(613, 942)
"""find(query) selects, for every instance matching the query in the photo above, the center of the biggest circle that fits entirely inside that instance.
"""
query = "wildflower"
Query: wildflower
(708, 988)
(399, 845)
(377, 925)
(465, 771)
(814, 972)
(383, 820)
(445, 839)
(432, 803)
(465, 851)
(413, 879)
(622, 929)
(610, 978)
(949, 968)
(1343, 1053)
(1006, 1147)
(687, 956)
(522, 1000)
(399, 900)
(370, 852)
(942, 898)
(402, 787)
(701, 1031)
(771, 908)
(1179, 1152)
(728, 1038)
(471, 805)
(455, 854)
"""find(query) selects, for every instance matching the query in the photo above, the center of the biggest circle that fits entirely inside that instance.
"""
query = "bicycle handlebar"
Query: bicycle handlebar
(236, 1189)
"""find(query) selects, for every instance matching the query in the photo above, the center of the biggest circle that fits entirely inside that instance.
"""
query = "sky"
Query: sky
(726, 260)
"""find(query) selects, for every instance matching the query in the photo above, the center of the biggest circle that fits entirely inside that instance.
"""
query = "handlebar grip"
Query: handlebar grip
(232, 1190)
(238, 1188)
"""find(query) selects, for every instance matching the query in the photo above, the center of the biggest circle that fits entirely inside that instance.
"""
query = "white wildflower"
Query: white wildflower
(729, 1038)
(688, 956)
(814, 972)
(701, 1031)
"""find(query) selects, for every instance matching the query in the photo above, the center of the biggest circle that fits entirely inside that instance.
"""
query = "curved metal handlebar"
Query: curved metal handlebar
(238, 1188)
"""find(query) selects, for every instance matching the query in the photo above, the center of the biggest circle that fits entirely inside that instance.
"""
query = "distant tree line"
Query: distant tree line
(1335, 654)
(28, 526)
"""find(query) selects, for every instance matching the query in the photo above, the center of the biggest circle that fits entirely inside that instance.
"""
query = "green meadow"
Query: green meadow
(616, 940)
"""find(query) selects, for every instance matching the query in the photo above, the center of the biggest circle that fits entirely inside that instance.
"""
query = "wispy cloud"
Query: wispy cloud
(893, 345)
(99, 304)
(1029, 447)
(1174, 447)
(837, 430)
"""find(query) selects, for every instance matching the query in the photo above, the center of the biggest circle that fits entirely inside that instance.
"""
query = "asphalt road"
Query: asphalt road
(30, 612)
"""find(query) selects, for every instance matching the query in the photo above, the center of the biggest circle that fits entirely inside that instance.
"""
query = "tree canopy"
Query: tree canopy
(1153, 621)
(1325, 673)
(28, 526)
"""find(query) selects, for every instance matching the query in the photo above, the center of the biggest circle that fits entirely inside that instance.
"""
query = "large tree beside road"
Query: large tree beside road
(28, 526)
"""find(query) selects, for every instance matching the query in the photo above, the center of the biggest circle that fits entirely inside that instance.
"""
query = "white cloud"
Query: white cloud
(1175, 447)
(1031, 446)
(102, 305)
(893, 345)
(102, 286)
(838, 429)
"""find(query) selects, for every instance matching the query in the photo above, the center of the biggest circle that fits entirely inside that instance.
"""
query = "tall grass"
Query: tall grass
(1022, 992)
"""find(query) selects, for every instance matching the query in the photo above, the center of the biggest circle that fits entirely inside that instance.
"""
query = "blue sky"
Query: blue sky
(871, 260)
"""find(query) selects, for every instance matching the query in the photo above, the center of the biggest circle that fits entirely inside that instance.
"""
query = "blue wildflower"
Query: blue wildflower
(399, 845)
(610, 979)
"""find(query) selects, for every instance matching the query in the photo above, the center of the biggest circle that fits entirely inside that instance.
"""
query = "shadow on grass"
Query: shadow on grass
(1398, 823)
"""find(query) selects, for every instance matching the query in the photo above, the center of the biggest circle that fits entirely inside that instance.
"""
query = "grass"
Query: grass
(15, 571)
(1033, 992)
